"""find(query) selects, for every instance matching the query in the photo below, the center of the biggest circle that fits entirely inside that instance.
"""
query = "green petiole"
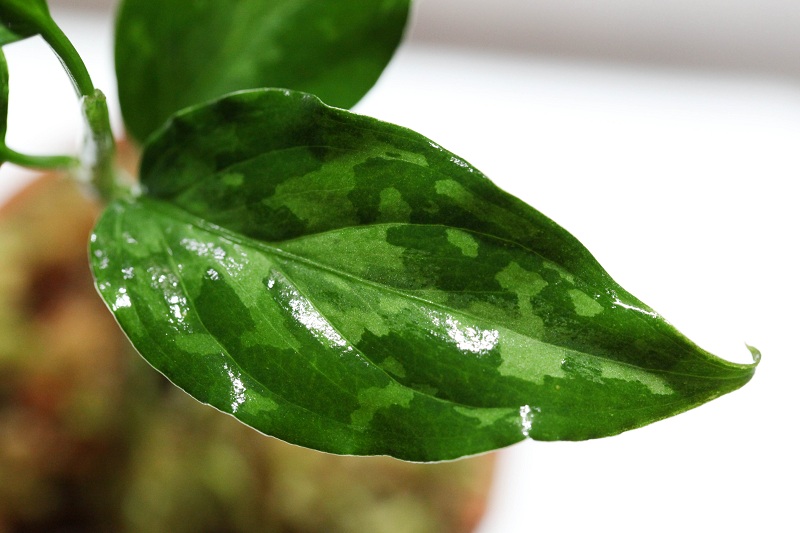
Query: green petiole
(69, 57)
(44, 162)
(96, 164)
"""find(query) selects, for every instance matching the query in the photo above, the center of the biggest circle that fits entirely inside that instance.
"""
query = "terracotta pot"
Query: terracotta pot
(93, 439)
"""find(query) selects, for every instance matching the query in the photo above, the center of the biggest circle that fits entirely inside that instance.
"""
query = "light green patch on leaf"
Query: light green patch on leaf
(232, 180)
(456, 191)
(463, 241)
(303, 195)
(566, 276)
(518, 280)
(197, 343)
(526, 324)
(393, 207)
(378, 256)
(516, 361)
(526, 285)
(394, 367)
(260, 405)
(654, 383)
(395, 307)
(374, 399)
(485, 417)
(470, 201)
(356, 314)
(584, 304)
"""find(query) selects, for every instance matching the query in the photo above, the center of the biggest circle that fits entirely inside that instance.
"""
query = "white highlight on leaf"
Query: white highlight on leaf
(467, 338)
(127, 273)
(634, 308)
(122, 301)
(213, 251)
(620, 303)
(178, 307)
(168, 284)
(305, 313)
(162, 279)
(237, 388)
(99, 254)
(204, 249)
(526, 415)
(460, 162)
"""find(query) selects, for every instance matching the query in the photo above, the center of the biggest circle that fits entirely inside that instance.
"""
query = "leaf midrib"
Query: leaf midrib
(170, 210)
(246, 241)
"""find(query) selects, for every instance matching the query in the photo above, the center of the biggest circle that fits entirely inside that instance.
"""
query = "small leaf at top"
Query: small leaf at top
(349, 285)
(171, 54)
(20, 19)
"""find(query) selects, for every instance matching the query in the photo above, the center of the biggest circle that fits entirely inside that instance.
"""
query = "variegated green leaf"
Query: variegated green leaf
(171, 54)
(351, 286)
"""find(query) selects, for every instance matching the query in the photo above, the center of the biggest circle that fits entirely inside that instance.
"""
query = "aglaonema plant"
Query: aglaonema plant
(336, 281)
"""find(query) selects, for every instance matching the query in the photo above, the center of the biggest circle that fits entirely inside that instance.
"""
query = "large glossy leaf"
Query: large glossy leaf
(174, 53)
(351, 286)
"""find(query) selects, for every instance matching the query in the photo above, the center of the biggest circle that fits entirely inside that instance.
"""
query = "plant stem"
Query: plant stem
(38, 161)
(99, 153)
(99, 146)
(69, 57)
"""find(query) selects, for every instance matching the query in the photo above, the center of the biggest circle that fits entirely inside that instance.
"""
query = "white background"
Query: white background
(665, 136)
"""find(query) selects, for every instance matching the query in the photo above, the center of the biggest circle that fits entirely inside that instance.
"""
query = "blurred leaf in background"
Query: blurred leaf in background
(171, 54)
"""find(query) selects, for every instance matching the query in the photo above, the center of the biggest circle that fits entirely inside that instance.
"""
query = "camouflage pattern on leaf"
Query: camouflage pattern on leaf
(350, 286)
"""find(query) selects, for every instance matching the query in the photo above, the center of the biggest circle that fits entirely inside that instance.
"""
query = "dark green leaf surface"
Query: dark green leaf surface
(20, 19)
(348, 285)
(171, 54)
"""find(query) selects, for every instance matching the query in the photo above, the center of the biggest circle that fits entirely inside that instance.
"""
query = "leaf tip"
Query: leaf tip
(755, 353)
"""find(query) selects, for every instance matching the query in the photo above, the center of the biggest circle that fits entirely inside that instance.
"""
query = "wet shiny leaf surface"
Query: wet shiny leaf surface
(350, 286)
(174, 53)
